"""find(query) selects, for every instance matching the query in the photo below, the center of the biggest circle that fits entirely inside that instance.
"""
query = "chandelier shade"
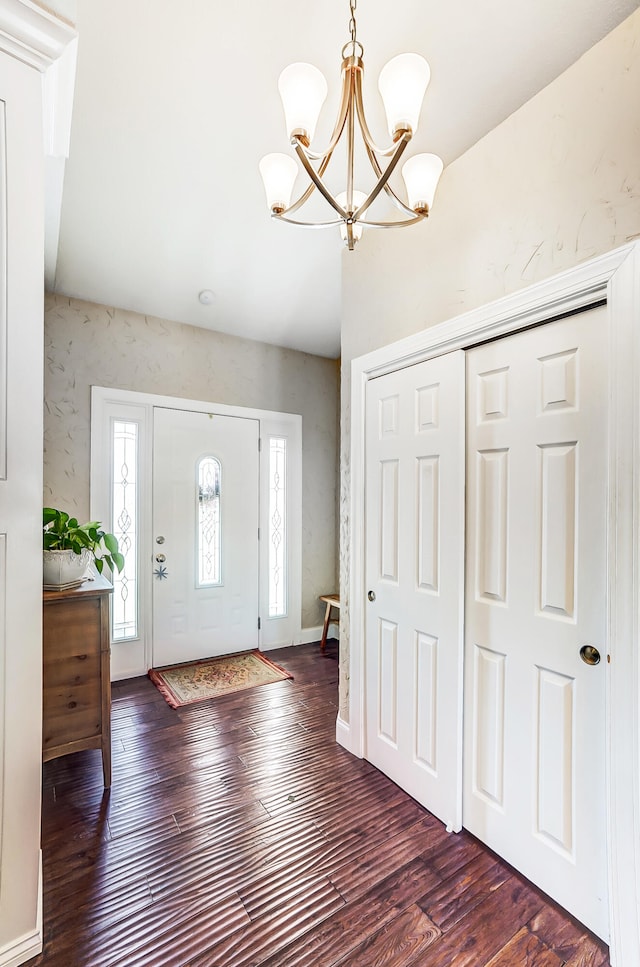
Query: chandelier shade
(279, 172)
(403, 83)
(303, 90)
(421, 175)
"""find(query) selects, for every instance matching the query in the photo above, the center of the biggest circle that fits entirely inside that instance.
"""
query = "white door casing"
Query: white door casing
(415, 570)
(134, 657)
(613, 279)
(192, 621)
(534, 783)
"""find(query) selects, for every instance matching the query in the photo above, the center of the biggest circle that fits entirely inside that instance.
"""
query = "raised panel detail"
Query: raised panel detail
(558, 527)
(389, 520)
(554, 780)
(428, 522)
(426, 696)
(488, 752)
(491, 520)
(427, 399)
(389, 416)
(387, 680)
(492, 389)
(559, 381)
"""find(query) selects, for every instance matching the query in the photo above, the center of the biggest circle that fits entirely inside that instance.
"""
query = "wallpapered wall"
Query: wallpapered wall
(555, 184)
(87, 344)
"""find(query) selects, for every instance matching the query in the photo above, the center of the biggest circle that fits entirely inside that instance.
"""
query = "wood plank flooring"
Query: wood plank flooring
(238, 834)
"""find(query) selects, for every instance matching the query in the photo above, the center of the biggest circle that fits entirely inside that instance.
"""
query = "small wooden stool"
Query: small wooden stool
(332, 601)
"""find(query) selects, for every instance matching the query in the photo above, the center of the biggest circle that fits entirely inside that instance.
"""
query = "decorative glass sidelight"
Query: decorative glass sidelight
(209, 472)
(125, 528)
(277, 527)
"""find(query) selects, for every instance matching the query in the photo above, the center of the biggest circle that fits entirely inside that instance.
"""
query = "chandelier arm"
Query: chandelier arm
(401, 223)
(308, 191)
(317, 180)
(336, 134)
(383, 176)
(375, 164)
(293, 221)
(364, 127)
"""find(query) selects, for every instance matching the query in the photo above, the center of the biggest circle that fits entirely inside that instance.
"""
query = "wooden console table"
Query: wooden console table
(76, 679)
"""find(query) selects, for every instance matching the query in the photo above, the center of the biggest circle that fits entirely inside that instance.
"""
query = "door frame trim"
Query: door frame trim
(613, 279)
(134, 657)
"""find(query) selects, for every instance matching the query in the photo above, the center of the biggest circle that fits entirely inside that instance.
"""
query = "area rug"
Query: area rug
(197, 681)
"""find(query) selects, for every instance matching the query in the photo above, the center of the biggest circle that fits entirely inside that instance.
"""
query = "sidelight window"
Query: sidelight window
(125, 527)
(277, 526)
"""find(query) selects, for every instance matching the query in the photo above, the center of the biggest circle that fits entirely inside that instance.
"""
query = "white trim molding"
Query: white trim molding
(30, 944)
(613, 279)
(32, 34)
(134, 657)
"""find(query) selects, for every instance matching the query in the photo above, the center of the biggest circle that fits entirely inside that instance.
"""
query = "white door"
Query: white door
(415, 575)
(21, 349)
(534, 784)
(205, 532)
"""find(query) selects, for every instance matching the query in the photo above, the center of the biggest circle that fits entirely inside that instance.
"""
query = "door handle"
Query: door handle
(590, 655)
(160, 558)
(371, 595)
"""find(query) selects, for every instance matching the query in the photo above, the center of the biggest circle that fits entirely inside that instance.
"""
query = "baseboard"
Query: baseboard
(30, 944)
(309, 635)
(343, 735)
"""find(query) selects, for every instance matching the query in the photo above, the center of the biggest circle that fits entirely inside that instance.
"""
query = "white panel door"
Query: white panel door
(534, 784)
(415, 573)
(21, 350)
(205, 600)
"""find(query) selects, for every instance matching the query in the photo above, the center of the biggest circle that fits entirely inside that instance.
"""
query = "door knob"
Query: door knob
(159, 539)
(371, 595)
(160, 558)
(590, 655)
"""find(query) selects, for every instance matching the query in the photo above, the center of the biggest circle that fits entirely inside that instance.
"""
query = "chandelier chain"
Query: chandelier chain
(352, 21)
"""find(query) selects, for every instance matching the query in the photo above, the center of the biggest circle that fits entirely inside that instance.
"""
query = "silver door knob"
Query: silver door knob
(371, 595)
(160, 558)
(160, 539)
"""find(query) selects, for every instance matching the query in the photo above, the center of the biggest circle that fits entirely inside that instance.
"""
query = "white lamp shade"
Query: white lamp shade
(421, 175)
(402, 84)
(303, 90)
(358, 198)
(279, 172)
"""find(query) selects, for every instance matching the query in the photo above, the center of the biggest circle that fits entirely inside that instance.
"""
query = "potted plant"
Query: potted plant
(69, 548)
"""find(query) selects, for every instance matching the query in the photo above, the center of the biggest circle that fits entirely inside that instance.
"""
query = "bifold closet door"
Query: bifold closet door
(534, 778)
(415, 575)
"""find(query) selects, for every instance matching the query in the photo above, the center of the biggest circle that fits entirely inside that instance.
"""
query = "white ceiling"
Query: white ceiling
(175, 104)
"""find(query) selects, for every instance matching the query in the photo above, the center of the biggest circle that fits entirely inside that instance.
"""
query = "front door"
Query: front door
(415, 575)
(205, 533)
(534, 785)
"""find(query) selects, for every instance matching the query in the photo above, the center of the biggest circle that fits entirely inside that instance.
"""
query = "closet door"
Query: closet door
(21, 366)
(415, 574)
(534, 783)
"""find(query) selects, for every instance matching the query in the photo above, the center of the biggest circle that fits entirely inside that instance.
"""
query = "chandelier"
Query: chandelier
(303, 89)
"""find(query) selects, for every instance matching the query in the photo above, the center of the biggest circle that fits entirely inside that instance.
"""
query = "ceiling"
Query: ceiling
(175, 104)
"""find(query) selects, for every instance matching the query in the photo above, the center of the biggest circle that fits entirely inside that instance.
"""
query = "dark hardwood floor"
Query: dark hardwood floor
(238, 833)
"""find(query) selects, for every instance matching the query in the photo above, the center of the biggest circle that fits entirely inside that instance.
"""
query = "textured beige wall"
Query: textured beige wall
(90, 345)
(555, 184)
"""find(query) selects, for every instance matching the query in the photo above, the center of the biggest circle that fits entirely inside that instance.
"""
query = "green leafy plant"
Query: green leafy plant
(64, 533)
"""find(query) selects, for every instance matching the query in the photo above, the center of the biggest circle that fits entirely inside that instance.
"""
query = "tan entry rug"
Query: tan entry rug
(199, 680)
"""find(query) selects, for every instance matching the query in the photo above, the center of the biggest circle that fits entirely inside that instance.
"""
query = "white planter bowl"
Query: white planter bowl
(64, 567)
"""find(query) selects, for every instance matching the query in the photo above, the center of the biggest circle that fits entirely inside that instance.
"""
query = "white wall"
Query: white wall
(555, 184)
(87, 344)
